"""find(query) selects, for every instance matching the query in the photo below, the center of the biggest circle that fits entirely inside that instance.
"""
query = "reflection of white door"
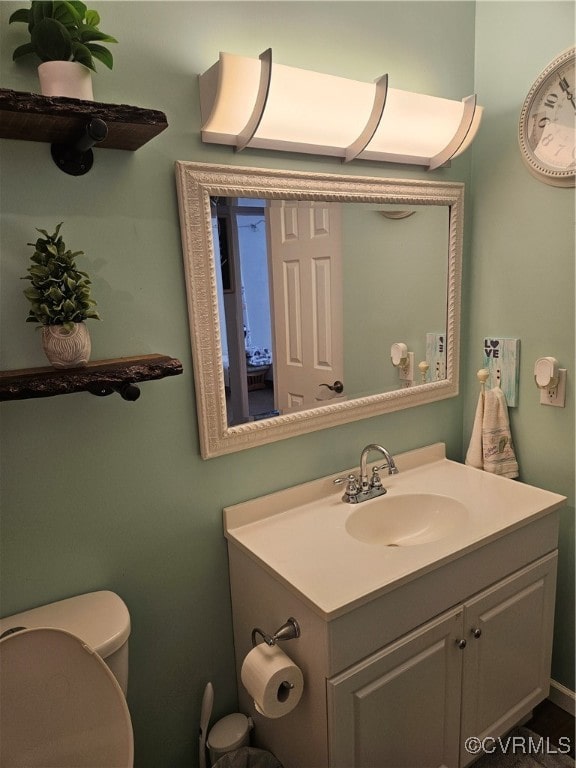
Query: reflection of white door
(305, 253)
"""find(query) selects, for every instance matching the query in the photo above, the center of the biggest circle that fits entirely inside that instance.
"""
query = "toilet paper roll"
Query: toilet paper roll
(272, 679)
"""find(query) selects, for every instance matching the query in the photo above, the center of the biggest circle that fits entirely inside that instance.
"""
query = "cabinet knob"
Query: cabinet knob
(476, 632)
(461, 643)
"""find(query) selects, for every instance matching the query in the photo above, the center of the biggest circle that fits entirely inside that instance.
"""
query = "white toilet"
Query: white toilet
(64, 680)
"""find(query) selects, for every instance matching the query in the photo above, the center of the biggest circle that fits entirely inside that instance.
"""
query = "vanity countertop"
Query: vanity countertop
(299, 534)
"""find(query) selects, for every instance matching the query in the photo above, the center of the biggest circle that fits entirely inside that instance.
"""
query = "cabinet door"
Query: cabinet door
(507, 658)
(400, 708)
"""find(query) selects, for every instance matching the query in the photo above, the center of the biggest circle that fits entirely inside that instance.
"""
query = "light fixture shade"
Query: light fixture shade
(250, 102)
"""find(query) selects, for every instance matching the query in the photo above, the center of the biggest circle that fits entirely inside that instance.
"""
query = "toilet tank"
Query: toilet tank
(100, 619)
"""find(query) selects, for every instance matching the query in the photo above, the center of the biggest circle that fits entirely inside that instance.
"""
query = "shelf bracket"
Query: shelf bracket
(76, 159)
(126, 389)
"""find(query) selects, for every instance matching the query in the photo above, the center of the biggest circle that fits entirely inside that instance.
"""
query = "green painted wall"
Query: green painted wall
(104, 494)
(395, 289)
(522, 266)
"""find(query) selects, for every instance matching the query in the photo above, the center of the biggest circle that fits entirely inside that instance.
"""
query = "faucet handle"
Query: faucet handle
(392, 468)
(376, 481)
(352, 487)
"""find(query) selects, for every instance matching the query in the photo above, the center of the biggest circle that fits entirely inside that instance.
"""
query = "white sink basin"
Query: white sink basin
(339, 555)
(406, 520)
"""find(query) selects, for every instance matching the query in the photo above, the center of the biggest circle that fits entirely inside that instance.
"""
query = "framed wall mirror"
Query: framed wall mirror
(299, 283)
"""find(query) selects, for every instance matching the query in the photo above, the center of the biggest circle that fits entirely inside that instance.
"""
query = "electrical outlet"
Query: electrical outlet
(555, 395)
(406, 372)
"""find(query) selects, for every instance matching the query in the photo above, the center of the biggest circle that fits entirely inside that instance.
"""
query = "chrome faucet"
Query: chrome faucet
(364, 488)
(392, 469)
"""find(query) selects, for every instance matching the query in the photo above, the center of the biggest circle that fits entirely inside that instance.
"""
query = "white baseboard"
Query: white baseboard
(563, 697)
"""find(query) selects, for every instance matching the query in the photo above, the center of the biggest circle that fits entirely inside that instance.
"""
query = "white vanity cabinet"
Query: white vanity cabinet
(506, 662)
(401, 706)
(483, 664)
(406, 651)
(387, 684)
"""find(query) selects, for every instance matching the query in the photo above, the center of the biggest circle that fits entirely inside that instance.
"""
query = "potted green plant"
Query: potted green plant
(60, 301)
(66, 38)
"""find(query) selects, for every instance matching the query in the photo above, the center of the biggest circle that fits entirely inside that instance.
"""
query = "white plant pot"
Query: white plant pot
(66, 348)
(65, 78)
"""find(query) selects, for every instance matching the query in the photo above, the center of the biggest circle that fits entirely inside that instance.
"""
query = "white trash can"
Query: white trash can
(228, 734)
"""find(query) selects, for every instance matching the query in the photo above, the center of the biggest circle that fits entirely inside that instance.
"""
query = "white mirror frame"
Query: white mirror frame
(196, 183)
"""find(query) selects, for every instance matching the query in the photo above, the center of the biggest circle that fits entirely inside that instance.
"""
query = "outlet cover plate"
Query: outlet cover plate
(555, 395)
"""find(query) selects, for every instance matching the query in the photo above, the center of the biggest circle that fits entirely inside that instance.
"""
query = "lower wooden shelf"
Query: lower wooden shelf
(100, 377)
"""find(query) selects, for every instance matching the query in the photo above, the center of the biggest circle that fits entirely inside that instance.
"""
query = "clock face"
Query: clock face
(547, 129)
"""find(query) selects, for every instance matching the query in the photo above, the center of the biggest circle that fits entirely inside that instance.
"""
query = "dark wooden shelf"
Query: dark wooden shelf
(59, 120)
(101, 377)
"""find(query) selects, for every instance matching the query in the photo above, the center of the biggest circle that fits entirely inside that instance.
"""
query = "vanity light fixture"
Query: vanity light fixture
(247, 102)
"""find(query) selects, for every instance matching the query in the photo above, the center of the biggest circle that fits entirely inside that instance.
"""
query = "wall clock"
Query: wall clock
(547, 126)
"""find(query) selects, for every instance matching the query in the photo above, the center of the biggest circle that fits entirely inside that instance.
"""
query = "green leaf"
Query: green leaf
(68, 306)
(92, 18)
(87, 34)
(40, 10)
(66, 14)
(52, 40)
(23, 50)
(79, 7)
(81, 54)
(55, 293)
(102, 54)
(39, 271)
(22, 14)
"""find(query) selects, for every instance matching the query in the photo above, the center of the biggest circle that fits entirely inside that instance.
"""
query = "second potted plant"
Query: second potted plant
(60, 301)
(66, 38)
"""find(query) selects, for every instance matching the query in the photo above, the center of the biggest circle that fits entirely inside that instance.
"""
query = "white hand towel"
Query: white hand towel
(474, 456)
(497, 447)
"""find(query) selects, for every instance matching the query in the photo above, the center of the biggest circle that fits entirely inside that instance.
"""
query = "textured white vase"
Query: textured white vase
(66, 348)
(65, 78)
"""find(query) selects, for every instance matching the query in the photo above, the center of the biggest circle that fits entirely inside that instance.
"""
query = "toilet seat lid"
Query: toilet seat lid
(60, 705)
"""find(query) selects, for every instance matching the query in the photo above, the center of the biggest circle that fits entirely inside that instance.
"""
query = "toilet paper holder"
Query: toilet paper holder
(290, 630)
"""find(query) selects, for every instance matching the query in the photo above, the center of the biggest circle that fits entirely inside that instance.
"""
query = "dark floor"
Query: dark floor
(550, 721)
(260, 403)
